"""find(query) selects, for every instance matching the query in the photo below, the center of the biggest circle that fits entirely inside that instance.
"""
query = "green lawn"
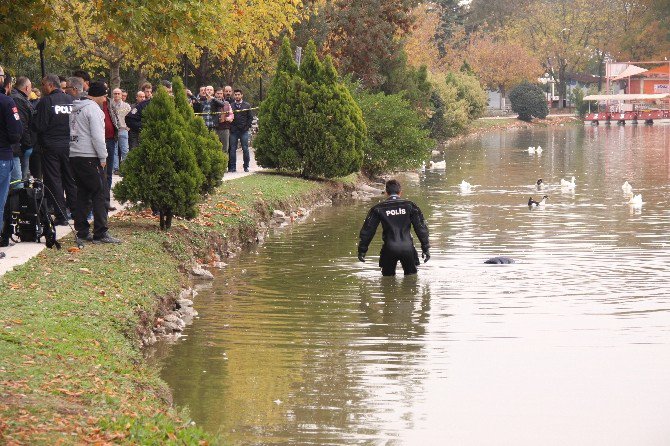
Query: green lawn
(71, 369)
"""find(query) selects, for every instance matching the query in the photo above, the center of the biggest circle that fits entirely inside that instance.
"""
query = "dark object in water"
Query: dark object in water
(500, 260)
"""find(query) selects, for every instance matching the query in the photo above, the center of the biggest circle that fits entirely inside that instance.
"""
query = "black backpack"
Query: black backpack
(27, 216)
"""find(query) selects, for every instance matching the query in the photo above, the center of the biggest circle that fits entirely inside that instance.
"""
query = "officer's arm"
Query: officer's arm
(420, 227)
(13, 121)
(42, 116)
(368, 231)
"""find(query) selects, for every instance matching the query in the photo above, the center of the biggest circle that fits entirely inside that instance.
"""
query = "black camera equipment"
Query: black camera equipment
(27, 217)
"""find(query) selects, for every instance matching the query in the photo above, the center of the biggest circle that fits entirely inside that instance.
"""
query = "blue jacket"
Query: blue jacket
(11, 128)
(134, 118)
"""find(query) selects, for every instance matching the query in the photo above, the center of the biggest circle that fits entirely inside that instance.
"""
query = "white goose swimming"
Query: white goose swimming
(531, 149)
(465, 186)
(627, 188)
(636, 201)
(438, 165)
(568, 184)
(538, 150)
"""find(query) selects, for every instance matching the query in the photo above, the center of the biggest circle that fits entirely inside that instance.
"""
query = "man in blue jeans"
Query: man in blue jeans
(239, 131)
(11, 130)
(24, 148)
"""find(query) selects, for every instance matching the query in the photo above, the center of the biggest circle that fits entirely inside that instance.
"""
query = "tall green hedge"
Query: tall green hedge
(309, 121)
(162, 171)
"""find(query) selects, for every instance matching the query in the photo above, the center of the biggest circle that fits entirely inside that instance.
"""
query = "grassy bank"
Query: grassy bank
(71, 370)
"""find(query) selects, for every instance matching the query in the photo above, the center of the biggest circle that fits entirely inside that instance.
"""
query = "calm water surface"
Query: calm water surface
(298, 343)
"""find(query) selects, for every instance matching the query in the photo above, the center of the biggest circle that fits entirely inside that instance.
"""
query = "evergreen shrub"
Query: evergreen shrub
(309, 121)
(162, 171)
(529, 101)
(470, 90)
(204, 144)
(396, 137)
(449, 113)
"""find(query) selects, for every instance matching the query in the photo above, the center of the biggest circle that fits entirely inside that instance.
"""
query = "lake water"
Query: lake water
(299, 343)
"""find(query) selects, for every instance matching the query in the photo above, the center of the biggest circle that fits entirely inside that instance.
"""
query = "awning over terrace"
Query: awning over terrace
(625, 97)
(631, 70)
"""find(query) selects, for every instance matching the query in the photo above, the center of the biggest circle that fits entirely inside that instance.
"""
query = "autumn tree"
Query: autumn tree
(452, 15)
(422, 43)
(148, 34)
(247, 33)
(491, 15)
(25, 18)
(559, 33)
(364, 33)
(501, 64)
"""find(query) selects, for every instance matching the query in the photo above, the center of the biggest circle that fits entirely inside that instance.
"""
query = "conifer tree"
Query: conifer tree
(274, 141)
(204, 144)
(309, 121)
(162, 171)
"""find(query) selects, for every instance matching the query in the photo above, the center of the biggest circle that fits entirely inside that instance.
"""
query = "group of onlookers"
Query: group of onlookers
(74, 137)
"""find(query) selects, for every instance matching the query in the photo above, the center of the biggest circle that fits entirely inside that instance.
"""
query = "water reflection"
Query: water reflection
(298, 343)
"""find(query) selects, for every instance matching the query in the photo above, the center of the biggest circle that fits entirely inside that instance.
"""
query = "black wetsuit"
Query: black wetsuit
(396, 216)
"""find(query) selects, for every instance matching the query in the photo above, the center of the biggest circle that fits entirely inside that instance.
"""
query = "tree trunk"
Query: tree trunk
(114, 74)
(168, 219)
(562, 84)
(501, 89)
(201, 72)
(141, 77)
(162, 220)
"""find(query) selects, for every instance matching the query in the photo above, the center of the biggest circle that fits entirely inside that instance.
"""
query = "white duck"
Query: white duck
(636, 201)
(538, 150)
(568, 184)
(531, 149)
(627, 188)
(438, 165)
(465, 186)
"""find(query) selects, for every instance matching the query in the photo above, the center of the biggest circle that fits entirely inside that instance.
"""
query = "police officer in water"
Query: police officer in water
(396, 216)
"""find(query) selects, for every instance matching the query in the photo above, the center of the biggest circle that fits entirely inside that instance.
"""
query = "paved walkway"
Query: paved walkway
(20, 253)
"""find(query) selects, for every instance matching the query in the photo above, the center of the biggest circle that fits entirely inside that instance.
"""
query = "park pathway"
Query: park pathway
(20, 253)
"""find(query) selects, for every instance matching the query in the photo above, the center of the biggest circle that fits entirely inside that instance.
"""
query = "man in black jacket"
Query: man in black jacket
(52, 124)
(239, 131)
(397, 216)
(11, 130)
(134, 123)
(20, 94)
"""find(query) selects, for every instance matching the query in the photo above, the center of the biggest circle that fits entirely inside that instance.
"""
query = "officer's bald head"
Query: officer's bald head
(393, 187)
